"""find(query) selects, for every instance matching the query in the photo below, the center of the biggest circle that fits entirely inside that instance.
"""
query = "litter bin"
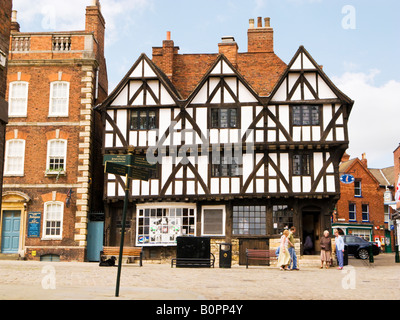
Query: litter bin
(345, 256)
(225, 255)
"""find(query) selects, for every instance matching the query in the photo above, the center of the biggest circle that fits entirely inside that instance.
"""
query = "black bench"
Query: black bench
(134, 252)
(194, 262)
(258, 254)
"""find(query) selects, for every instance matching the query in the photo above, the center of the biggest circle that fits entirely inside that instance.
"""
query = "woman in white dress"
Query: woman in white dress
(284, 256)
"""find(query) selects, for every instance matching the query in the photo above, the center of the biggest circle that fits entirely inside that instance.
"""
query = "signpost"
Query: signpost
(132, 167)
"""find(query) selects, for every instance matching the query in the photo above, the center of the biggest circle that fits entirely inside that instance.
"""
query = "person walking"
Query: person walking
(284, 256)
(326, 250)
(292, 250)
(339, 243)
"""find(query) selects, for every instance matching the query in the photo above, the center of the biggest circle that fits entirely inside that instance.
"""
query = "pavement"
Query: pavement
(360, 280)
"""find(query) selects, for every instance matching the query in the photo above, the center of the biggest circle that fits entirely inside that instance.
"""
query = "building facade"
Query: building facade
(246, 145)
(365, 207)
(5, 29)
(54, 80)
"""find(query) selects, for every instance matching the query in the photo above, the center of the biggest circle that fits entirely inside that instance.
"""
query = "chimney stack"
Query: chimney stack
(14, 23)
(364, 160)
(260, 39)
(95, 23)
(229, 48)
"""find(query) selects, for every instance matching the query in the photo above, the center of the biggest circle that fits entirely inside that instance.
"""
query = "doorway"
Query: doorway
(10, 231)
(311, 232)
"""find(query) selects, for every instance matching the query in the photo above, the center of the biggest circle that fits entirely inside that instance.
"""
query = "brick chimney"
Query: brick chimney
(14, 22)
(260, 39)
(95, 23)
(364, 160)
(164, 56)
(229, 48)
(345, 157)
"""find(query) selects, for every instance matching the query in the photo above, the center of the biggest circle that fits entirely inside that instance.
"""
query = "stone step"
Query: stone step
(9, 256)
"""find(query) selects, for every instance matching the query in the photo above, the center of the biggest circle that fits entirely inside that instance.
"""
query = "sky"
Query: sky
(356, 41)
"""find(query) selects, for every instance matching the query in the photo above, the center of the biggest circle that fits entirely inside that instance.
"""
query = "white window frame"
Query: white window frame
(63, 113)
(49, 142)
(11, 99)
(60, 219)
(219, 207)
(20, 172)
(161, 205)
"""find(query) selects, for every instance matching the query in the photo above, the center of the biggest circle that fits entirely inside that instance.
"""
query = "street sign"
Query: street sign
(131, 172)
(124, 159)
(347, 178)
(128, 159)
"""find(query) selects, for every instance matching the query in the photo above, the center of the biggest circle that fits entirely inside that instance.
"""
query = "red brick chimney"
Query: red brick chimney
(14, 22)
(260, 39)
(229, 48)
(164, 56)
(364, 160)
(95, 23)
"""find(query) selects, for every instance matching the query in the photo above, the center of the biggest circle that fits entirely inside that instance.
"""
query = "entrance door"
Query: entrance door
(252, 244)
(95, 240)
(311, 232)
(10, 231)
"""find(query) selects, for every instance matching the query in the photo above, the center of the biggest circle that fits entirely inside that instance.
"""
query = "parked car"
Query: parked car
(359, 248)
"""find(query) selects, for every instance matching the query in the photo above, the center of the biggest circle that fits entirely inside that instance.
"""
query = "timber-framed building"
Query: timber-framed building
(245, 144)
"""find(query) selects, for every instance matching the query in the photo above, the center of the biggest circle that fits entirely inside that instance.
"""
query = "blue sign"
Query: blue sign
(34, 224)
(347, 178)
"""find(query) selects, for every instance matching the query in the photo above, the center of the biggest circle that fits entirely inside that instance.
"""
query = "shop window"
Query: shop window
(282, 218)
(249, 220)
(162, 225)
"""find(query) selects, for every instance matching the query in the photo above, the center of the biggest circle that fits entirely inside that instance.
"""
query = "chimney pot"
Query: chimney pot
(267, 22)
(251, 24)
(168, 35)
(14, 16)
(259, 22)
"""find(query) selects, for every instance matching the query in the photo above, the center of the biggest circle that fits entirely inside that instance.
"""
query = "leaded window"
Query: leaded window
(249, 220)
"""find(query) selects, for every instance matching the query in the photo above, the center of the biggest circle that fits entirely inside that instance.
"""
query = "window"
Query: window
(53, 217)
(59, 98)
(213, 221)
(365, 212)
(14, 157)
(56, 155)
(301, 165)
(18, 99)
(352, 211)
(386, 212)
(282, 217)
(357, 188)
(162, 225)
(224, 118)
(305, 115)
(143, 120)
(225, 166)
(249, 220)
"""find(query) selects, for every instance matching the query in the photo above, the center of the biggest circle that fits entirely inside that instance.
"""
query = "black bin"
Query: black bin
(225, 255)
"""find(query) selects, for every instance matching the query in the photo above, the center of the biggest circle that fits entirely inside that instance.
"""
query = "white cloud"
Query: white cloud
(374, 120)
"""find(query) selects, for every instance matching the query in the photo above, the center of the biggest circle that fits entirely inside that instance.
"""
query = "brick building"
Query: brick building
(54, 80)
(364, 207)
(5, 28)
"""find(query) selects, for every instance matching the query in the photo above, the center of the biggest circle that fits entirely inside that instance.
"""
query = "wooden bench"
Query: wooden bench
(194, 262)
(131, 252)
(258, 254)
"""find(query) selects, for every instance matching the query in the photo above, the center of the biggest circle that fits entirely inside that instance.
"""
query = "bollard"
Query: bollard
(345, 256)
(371, 255)
(397, 259)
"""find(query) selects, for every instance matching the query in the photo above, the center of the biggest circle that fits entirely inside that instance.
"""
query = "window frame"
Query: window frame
(7, 158)
(138, 111)
(364, 212)
(357, 188)
(12, 114)
(301, 170)
(225, 164)
(229, 118)
(60, 219)
(65, 112)
(354, 212)
(223, 222)
(286, 220)
(49, 142)
(306, 115)
(239, 214)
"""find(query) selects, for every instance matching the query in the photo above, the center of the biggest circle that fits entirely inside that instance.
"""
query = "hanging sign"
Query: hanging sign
(347, 178)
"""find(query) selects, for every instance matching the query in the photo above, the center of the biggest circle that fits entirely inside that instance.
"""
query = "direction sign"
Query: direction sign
(347, 178)
(141, 161)
(125, 159)
(130, 171)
